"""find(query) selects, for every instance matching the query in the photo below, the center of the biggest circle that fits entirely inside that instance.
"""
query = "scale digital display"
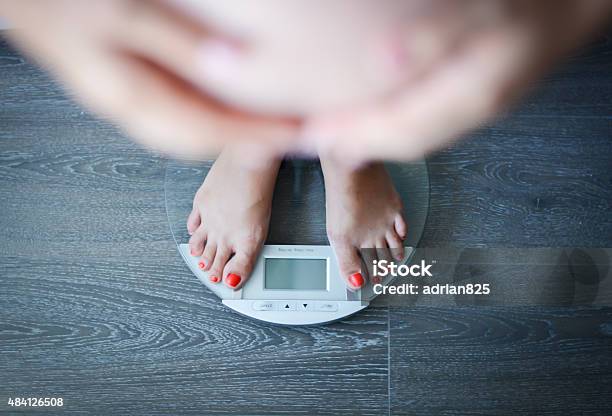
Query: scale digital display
(295, 274)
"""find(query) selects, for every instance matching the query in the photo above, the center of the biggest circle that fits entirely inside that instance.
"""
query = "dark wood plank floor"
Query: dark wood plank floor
(97, 307)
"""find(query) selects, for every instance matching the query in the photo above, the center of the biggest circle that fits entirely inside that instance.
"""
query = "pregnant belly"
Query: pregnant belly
(301, 58)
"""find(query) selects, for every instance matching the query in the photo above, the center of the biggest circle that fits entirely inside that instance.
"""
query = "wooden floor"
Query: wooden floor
(97, 307)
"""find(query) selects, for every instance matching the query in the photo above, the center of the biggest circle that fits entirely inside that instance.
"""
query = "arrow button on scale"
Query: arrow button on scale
(306, 306)
(287, 306)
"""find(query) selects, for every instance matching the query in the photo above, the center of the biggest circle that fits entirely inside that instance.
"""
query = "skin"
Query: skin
(457, 61)
(172, 80)
(363, 211)
(483, 63)
(460, 62)
(231, 213)
(146, 66)
(136, 63)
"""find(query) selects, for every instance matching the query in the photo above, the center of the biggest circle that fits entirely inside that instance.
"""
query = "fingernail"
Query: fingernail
(214, 279)
(219, 60)
(356, 279)
(201, 264)
(233, 279)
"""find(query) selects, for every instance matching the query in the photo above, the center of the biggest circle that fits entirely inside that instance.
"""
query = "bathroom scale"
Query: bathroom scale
(296, 280)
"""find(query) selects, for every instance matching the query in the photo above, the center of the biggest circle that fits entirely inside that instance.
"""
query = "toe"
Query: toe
(401, 228)
(383, 253)
(193, 221)
(349, 264)
(222, 255)
(239, 268)
(196, 242)
(396, 245)
(208, 256)
(369, 256)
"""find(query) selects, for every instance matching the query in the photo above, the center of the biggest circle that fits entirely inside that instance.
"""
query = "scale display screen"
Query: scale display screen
(295, 274)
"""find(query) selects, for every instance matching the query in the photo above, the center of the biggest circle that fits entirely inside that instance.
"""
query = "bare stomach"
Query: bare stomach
(299, 58)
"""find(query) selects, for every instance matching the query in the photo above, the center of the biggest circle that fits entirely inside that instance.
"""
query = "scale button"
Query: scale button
(326, 306)
(263, 305)
(306, 306)
(286, 306)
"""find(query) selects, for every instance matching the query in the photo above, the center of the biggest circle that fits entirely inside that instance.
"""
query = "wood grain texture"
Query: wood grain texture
(539, 177)
(128, 339)
(485, 361)
(525, 182)
(96, 305)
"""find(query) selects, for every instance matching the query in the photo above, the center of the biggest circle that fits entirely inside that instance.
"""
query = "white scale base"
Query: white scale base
(287, 306)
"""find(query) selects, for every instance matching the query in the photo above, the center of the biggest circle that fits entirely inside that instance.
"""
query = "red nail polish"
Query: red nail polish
(233, 279)
(214, 279)
(201, 265)
(356, 279)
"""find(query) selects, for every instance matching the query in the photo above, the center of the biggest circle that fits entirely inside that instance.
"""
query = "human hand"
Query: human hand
(135, 62)
(464, 67)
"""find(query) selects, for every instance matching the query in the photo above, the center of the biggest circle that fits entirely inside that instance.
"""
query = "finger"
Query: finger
(167, 115)
(462, 93)
(425, 35)
(160, 33)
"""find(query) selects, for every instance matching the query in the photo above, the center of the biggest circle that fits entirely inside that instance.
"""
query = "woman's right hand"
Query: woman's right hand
(136, 62)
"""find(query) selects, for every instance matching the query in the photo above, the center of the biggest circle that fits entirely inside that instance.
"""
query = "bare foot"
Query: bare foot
(363, 211)
(230, 217)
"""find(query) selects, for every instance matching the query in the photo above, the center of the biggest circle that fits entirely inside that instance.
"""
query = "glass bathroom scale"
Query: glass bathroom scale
(295, 280)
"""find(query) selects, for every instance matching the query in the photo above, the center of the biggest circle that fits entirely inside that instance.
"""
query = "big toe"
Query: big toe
(239, 268)
(349, 264)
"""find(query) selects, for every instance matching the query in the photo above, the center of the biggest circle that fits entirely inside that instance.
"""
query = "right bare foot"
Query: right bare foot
(230, 217)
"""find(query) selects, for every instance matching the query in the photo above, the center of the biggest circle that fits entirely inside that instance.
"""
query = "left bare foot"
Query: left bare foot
(363, 211)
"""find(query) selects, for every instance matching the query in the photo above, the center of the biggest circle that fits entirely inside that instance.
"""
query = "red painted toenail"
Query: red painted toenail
(233, 279)
(214, 279)
(356, 279)
(201, 264)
